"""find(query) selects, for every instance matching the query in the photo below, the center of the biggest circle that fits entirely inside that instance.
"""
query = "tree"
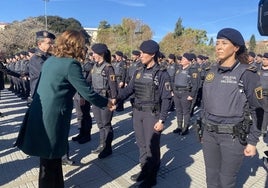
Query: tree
(211, 42)
(252, 43)
(178, 28)
(125, 37)
(19, 36)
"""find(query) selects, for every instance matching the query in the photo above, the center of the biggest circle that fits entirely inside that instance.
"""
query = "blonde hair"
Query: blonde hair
(70, 43)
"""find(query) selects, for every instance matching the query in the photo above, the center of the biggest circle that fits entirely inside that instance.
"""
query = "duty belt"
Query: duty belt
(221, 128)
(180, 88)
(153, 108)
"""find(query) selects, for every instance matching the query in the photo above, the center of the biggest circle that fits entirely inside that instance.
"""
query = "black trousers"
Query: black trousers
(50, 173)
(223, 157)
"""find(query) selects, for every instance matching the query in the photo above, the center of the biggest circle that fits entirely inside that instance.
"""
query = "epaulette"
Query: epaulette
(252, 68)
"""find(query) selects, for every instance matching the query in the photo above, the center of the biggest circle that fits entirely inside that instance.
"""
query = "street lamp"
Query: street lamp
(46, 12)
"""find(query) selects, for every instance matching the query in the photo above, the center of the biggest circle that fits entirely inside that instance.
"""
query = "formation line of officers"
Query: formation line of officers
(231, 95)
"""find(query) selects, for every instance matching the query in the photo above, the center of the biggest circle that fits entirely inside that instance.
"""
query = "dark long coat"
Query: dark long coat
(46, 125)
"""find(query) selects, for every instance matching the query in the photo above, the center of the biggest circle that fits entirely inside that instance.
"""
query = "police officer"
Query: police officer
(263, 72)
(228, 88)
(171, 69)
(44, 41)
(134, 65)
(104, 83)
(83, 107)
(184, 89)
(120, 69)
(151, 86)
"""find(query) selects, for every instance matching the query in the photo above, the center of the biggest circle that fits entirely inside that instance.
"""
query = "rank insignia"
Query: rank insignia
(194, 75)
(168, 86)
(138, 76)
(112, 77)
(258, 93)
(210, 76)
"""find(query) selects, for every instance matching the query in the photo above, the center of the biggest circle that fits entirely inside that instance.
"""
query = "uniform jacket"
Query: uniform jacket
(46, 125)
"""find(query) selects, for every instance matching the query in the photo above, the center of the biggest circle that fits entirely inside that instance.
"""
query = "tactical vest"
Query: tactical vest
(183, 78)
(117, 68)
(264, 78)
(171, 70)
(146, 85)
(132, 68)
(99, 81)
(218, 86)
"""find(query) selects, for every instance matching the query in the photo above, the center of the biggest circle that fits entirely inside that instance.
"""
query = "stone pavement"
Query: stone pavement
(182, 163)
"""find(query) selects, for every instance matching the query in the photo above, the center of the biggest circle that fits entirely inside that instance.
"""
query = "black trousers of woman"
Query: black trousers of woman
(50, 173)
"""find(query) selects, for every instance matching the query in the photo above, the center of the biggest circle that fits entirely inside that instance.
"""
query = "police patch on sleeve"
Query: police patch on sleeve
(138, 75)
(258, 93)
(194, 75)
(210, 76)
(112, 77)
(168, 86)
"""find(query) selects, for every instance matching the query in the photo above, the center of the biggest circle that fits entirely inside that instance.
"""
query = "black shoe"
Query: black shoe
(66, 161)
(105, 153)
(1, 114)
(185, 132)
(76, 138)
(138, 177)
(98, 149)
(178, 130)
(148, 183)
(84, 139)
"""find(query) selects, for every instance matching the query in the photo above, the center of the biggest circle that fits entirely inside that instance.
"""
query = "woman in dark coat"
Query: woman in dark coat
(45, 129)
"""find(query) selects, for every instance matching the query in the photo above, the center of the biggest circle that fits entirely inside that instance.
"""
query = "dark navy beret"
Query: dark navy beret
(119, 53)
(179, 57)
(201, 57)
(136, 52)
(171, 56)
(45, 34)
(149, 47)
(259, 55)
(252, 54)
(99, 48)
(189, 56)
(265, 55)
(32, 50)
(161, 55)
(232, 35)
(23, 53)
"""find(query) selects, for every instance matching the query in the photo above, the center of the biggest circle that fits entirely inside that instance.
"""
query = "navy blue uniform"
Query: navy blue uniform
(226, 93)
(35, 66)
(185, 85)
(264, 82)
(103, 82)
(151, 87)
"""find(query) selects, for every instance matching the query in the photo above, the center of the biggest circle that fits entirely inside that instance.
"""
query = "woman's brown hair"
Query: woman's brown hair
(70, 43)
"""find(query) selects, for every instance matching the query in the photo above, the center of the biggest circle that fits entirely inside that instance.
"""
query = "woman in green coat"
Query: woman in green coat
(45, 128)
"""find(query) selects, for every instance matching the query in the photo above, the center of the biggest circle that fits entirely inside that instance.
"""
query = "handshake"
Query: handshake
(111, 104)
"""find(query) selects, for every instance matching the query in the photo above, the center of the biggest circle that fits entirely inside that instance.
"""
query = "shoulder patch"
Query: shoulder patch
(258, 92)
(210, 77)
(194, 75)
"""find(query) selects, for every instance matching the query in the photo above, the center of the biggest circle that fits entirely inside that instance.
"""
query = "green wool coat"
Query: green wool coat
(45, 128)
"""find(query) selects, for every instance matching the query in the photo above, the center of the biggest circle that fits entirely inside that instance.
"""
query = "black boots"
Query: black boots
(82, 138)
(179, 128)
(107, 150)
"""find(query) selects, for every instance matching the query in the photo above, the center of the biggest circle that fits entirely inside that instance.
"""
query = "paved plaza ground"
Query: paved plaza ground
(182, 163)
